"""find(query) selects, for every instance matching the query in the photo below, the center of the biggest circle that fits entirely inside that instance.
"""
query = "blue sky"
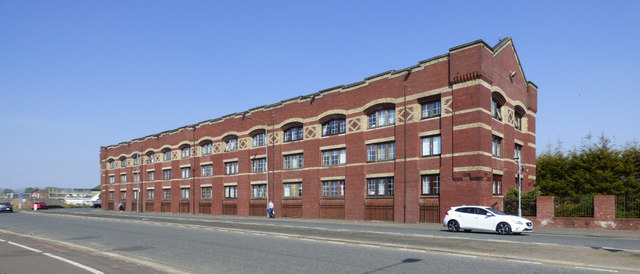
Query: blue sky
(77, 75)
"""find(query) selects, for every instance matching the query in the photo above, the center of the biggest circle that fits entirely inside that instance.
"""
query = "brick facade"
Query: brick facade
(463, 82)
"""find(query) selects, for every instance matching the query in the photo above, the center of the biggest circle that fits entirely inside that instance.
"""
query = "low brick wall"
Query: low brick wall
(604, 215)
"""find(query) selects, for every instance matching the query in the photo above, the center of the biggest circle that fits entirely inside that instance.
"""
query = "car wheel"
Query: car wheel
(453, 226)
(503, 228)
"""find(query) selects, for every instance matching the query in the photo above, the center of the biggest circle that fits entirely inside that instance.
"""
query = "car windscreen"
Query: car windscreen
(497, 212)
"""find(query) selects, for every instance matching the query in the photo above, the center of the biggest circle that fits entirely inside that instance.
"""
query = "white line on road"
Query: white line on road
(596, 269)
(25, 247)
(92, 270)
(95, 271)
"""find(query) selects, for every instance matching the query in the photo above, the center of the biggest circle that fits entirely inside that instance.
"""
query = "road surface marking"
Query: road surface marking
(92, 270)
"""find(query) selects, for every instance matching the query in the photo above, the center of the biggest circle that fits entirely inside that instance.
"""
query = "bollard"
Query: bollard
(35, 207)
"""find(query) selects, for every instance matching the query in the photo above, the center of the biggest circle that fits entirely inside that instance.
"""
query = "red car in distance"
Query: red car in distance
(40, 205)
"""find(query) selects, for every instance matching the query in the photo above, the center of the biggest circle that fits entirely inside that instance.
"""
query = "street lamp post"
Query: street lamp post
(266, 159)
(519, 186)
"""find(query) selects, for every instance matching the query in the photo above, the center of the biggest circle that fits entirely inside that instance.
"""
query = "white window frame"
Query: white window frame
(431, 109)
(231, 168)
(431, 184)
(381, 152)
(259, 191)
(206, 170)
(294, 161)
(334, 157)
(292, 190)
(166, 155)
(185, 172)
(166, 174)
(206, 193)
(384, 186)
(231, 192)
(258, 140)
(431, 145)
(496, 146)
(185, 193)
(185, 152)
(151, 175)
(258, 165)
(383, 117)
(231, 144)
(206, 149)
(334, 127)
(294, 134)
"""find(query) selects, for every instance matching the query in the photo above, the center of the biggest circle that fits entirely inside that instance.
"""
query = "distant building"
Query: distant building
(398, 146)
(61, 193)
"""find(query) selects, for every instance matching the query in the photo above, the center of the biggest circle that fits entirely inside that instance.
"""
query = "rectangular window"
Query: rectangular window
(259, 191)
(186, 172)
(186, 152)
(123, 195)
(380, 186)
(381, 152)
(231, 144)
(496, 146)
(112, 179)
(431, 145)
(231, 168)
(166, 155)
(497, 184)
(257, 165)
(334, 157)
(293, 134)
(496, 109)
(293, 190)
(431, 109)
(258, 140)
(111, 195)
(293, 161)
(207, 170)
(205, 193)
(231, 192)
(135, 194)
(206, 149)
(136, 177)
(123, 178)
(166, 174)
(166, 194)
(431, 184)
(383, 117)
(151, 175)
(184, 193)
(333, 188)
(150, 194)
(517, 154)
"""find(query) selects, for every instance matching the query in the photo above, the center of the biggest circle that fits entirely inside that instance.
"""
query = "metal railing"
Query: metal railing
(574, 206)
(627, 206)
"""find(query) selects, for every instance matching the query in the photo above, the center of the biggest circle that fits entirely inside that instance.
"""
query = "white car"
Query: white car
(485, 218)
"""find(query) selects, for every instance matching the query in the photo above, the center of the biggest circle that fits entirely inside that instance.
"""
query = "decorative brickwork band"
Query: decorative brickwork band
(461, 78)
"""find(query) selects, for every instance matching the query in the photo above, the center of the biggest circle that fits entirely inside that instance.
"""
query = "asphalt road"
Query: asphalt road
(215, 244)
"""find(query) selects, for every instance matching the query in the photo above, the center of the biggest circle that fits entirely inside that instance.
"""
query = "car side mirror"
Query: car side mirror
(489, 214)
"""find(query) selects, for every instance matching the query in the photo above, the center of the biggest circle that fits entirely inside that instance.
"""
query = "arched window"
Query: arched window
(334, 124)
(258, 137)
(497, 101)
(230, 142)
(185, 151)
(206, 147)
(166, 154)
(112, 164)
(136, 159)
(151, 157)
(123, 162)
(381, 115)
(517, 120)
(293, 132)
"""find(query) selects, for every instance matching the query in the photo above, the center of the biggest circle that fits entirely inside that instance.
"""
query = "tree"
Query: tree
(7, 191)
(594, 168)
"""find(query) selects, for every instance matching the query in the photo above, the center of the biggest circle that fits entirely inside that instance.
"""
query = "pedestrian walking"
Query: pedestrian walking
(270, 212)
(121, 206)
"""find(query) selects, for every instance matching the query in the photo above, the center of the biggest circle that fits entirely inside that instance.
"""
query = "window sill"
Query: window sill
(292, 198)
(380, 197)
(430, 118)
(381, 161)
(429, 196)
(430, 156)
(230, 199)
(258, 198)
(332, 197)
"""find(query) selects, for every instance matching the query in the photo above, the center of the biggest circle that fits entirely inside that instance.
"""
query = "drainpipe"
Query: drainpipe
(404, 146)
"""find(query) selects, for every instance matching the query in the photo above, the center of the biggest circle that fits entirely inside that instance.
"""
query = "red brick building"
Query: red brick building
(400, 146)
